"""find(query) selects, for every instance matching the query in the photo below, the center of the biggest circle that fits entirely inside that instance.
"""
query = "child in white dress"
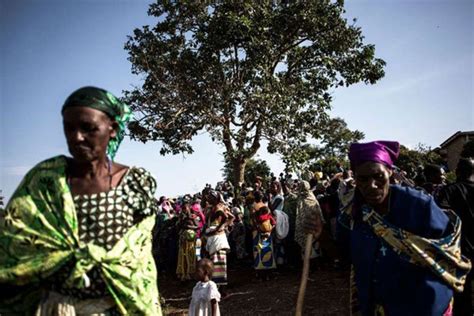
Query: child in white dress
(206, 296)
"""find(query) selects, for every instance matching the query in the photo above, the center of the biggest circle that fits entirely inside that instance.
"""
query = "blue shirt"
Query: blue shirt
(385, 279)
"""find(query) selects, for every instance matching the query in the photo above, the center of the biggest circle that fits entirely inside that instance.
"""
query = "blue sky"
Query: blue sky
(50, 48)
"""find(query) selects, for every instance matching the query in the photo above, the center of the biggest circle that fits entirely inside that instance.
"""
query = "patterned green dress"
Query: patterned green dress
(47, 235)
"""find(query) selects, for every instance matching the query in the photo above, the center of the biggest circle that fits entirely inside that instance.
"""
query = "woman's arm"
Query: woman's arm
(222, 221)
(275, 204)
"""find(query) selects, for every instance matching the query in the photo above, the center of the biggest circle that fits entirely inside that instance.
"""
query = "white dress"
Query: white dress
(203, 293)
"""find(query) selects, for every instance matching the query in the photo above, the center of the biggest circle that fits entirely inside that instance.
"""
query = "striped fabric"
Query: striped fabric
(219, 275)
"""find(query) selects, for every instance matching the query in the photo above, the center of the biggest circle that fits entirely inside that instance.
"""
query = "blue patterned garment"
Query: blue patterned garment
(263, 252)
(383, 276)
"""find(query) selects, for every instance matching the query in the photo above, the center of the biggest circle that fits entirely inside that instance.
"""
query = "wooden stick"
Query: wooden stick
(304, 276)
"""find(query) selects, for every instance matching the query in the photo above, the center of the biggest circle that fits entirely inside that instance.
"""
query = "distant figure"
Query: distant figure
(435, 179)
(307, 204)
(265, 222)
(263, 248)
(217, 244)
(188, 224)
(205, 298)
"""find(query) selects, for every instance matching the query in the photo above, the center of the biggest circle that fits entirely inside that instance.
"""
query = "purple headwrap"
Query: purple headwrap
(381, 151)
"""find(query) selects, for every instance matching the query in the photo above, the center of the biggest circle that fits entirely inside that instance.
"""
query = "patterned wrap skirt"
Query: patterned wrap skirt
(263, 252)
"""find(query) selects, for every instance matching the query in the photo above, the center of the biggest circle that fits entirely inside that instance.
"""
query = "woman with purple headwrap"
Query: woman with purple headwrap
(403, 248)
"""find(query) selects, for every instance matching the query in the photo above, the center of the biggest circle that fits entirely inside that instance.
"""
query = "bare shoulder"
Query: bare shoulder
(118, 171)
(118, 168)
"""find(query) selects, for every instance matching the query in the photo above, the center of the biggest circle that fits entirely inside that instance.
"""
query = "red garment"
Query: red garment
(265, 217)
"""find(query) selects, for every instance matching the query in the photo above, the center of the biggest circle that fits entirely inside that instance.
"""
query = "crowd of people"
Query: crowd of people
(86, 235)
(266, 223)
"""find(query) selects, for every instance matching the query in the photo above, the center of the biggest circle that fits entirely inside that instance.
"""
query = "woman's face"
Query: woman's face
(275, 188)
(87, 132)
(373, 181)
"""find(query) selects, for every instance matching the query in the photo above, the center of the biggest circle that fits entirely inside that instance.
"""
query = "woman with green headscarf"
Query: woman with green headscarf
(75, 237)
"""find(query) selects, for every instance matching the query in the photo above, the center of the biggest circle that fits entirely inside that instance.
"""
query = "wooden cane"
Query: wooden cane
(304, 276)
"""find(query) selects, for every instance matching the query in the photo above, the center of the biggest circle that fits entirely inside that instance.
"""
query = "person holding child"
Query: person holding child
(262, 240)
(265, 222)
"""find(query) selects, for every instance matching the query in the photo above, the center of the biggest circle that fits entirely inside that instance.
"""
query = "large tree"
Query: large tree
(244, 72)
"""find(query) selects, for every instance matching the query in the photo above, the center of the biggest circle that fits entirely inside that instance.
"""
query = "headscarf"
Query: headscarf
(217, 196)
(385, 152)
(307, 197)
(104, 101)
(307, 204)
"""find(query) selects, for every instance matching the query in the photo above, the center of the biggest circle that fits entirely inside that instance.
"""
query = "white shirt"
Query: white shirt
(203, 293)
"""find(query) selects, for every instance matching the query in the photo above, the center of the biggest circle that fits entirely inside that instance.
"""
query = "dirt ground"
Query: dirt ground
(327, 293)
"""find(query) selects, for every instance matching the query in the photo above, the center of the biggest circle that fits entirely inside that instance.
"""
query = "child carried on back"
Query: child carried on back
(265, 222)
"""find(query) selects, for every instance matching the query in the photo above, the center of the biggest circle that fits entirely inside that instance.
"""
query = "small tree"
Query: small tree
(243, 71)
(333, 148)
(410, 159)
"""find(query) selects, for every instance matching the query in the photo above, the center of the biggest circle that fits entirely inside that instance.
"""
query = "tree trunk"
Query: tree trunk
(239, 171)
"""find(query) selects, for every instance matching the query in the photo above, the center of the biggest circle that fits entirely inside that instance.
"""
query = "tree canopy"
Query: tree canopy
(333, 148)
(244, 72)
(410, 160)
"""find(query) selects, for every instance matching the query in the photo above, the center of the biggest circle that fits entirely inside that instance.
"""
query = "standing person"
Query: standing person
(290, 208)
(265, 222)
(205, 298)
(262, 244)
(459, 197)
(435, 179)
(217, 245)
(188, 224)
(282, 223)
(76, 235)
(237, 234)
(307, 204)
(404, 249)
(201, 220)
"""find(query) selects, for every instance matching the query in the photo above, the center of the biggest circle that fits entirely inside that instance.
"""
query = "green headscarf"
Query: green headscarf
(102, 100)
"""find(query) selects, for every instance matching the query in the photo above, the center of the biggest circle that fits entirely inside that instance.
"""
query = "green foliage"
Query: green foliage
(410, 159)
(333, 148)
(243, 71)
(254, 168)
(450, 177)
(329, 165)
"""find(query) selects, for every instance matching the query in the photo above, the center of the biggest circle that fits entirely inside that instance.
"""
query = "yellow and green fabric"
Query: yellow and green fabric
(39, 236)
